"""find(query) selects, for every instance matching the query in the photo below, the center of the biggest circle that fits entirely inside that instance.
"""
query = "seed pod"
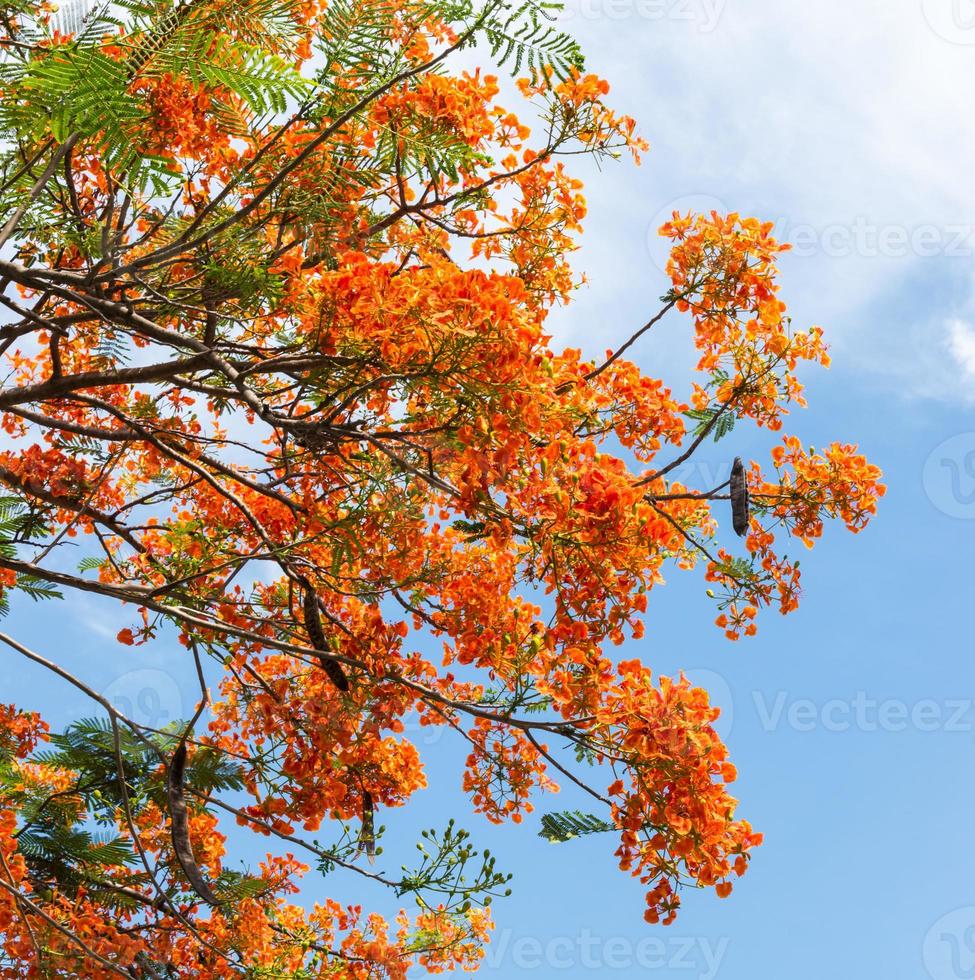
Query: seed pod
(181, 827)
(739, 498)
(367, 836)
(316, 635)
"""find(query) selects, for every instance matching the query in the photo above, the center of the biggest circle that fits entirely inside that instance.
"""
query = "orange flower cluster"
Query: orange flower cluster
(723, 269)
(838, 483)
(180, 121)
(671, 800)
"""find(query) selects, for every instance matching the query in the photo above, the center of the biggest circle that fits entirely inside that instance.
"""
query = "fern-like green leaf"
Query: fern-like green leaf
(557, 828)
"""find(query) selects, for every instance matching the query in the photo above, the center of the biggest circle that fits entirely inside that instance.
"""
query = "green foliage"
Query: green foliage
(113, 347)
(112, 769)
(522, 38)
(717, 421)
(36, 588)
(241, 55)
(352, 43)
(18, 524)
(475, 530)
(444, 870)
(71, 89)
(14, 520)
(239, 273)
(263, 81)
(740, 569)
(88, 748)
(74, 89)
(57, 845)
(557, 828)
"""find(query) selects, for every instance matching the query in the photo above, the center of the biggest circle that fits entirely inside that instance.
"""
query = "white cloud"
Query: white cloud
(961, 345)
(844, 122)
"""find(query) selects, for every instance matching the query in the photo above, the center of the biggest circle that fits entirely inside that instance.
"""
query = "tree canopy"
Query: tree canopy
(276, 276)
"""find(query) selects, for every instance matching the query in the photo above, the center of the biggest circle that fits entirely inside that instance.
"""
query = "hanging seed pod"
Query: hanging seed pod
(739, 498)
(181, 827)
(316, 635)
(367, 836)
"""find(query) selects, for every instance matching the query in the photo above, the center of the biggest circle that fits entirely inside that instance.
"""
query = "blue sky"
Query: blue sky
(852, 722)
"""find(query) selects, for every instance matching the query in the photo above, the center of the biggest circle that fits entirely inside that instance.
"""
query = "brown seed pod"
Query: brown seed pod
(316, 635)
(181, 827)
(367, 836)
(739, 498)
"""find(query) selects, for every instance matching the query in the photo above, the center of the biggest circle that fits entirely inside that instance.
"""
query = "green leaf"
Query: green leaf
(557, 828)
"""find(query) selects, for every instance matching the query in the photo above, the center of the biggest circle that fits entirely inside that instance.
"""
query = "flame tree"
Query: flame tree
(275, 280)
